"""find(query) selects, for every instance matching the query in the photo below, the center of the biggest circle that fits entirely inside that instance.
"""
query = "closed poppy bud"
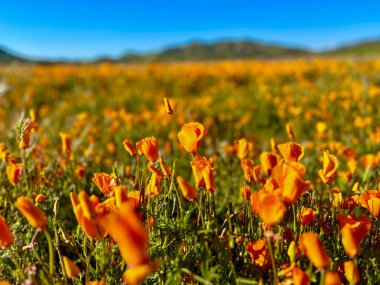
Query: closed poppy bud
(306, 216)
(242, 148)
(300, 277)
(269, 207)
(105, 182)
(291, 151)
(168, 107)
(25, 138)
(351, 272)
(165, 169)
(268, 161)
(259, 252)
(33, 214)
(129, 147)
(14, 171)
(289, 132)
(6, 237)
(188, 191)
(66, 143)
(87, 206)
(292, 251)
(191, 135)
(332, 278)
(312, 247)
(245, 192)
(149, 148)
(330, 165)
(350, 243)
(154, 186)
(374, 206)
(72, 271)
(136, 275)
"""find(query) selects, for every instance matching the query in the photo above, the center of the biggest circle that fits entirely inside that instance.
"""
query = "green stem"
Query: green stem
(272, 259)
(322, 281)
(51, 251)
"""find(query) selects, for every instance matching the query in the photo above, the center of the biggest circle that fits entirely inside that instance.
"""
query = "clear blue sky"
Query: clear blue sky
(86, 29)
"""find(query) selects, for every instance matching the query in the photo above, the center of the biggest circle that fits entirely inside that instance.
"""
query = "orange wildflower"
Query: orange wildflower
(165, 169)
(293, 188)
(268, 206)
(168, 107)
(25, 138)
(351, 272)
(191, 135)
(312, 247)
(291, 151)
(136, 275)
(188, 191)
(251, 172)
(198, 165)
(332, 278)
(306, 216)
(129, 147)
(14, 171)
(148, 147)
(330, 165)
(6, 237)
(105, 182)
(96, 282)
(268, 161)
(242, 148)
(245, 192)
(72, 271)
(300, 277)
(154, 186)
(33, 214)
(259, 252)
(66, 142)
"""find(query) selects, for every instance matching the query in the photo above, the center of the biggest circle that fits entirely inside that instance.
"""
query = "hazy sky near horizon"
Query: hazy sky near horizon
(87, 29)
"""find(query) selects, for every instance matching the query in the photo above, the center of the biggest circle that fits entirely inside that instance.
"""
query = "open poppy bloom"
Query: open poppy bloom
(259, 253)
(203, 172)
(293, 188)
(268, 161)
(191, 135)
(330, 165)
(291, 151)
(268, 206)
(32, 213)
(149, 148)
(370, 200)
(312, 247)
(306, 216)
(6, 237)
(105, 182)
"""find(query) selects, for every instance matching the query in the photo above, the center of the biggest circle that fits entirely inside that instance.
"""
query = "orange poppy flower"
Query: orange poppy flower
(293, 188)
(148, 147)
(25, 138)
(242, 148)
(65, 142)
(191, 135)
(332, 278)
(291, 151)
(33, 214)
(165, 169)
(80, 171)
(268, 206)
(259, 253)
(168, 107)
(198, 164)
(128, 232)
(72, 271)
(306, 216)
(312, 247)
(245, 192)
(129, 147)
(188, 191)
(6, 237)
(154, 186)
(251, 172)
(268, 161)
(136, 275)
(370, 200)
(300, 277)
(96, 282)
(14, 171)
(105, 182)
(330, 165)
(351, 272)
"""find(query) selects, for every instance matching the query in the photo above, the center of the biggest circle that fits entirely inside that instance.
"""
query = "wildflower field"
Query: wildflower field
(235, 172)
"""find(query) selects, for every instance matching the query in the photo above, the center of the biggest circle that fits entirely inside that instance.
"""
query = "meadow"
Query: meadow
(228, 172)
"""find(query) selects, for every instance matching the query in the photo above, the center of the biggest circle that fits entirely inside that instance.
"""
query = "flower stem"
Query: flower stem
(51, 251)
(272, 260)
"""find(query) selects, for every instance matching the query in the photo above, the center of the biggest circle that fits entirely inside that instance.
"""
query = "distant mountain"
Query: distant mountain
(226, 50)
(7, 57)
(363, 49)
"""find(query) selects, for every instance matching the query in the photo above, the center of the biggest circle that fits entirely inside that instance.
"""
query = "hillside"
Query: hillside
(7, 57)
(363, 49)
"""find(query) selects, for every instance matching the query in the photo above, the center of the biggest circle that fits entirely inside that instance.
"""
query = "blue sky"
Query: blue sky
(87, 29)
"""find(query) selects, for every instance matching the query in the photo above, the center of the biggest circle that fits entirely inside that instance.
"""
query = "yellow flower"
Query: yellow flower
(148, 147)
(72, 271)
(191, 136)
(330, 165)
(188, 191)
(14, 171)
